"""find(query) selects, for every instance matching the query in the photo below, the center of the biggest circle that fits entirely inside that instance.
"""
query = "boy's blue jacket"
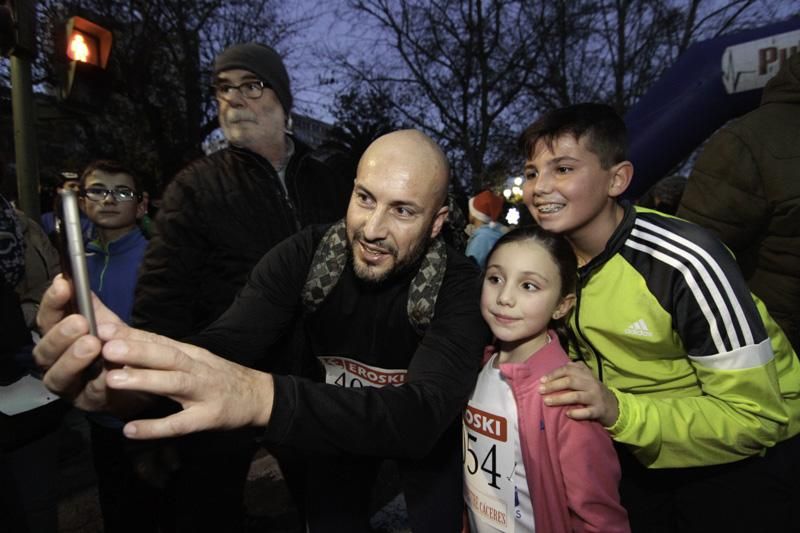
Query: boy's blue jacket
(113, 271)
(702, 374)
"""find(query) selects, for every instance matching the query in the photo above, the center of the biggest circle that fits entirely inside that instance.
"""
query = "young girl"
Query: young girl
(527, 466)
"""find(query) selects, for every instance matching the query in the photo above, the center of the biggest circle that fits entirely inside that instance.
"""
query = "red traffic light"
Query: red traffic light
(82, 47)
(81, 56)
(87, 42)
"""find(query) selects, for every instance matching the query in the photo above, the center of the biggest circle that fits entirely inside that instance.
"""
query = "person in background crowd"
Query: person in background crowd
(745, 187)
(484, 209)
(112, 198)
(454, 230)
(12, 271)
(664, 195)
(217, 218)
(41, 257)
(222, 212)
(29, 429)
(41, 266)
(71, 181)
(146, 222)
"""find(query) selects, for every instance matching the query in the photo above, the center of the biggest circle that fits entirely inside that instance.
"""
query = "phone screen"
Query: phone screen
(73, 256)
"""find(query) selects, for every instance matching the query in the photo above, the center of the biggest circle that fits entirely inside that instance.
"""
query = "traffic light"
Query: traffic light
(82, 51)
(18, 28)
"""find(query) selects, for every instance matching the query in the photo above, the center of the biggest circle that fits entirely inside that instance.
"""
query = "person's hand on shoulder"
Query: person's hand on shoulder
(574, 384)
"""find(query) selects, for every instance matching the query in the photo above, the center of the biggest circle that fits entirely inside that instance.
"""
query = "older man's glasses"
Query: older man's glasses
(120, 194)
(250, 89)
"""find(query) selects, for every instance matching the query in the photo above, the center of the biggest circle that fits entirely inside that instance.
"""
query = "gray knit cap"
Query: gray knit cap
(261, 60)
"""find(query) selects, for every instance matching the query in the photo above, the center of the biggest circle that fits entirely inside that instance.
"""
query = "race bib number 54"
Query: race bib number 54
(488, 457)
(347, 372)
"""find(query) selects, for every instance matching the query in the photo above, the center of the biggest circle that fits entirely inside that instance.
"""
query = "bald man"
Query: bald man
(388, 342)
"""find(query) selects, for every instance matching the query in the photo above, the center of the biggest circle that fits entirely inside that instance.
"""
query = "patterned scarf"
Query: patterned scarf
(330, 259)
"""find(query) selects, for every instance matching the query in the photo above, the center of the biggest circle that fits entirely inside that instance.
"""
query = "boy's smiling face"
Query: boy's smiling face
(568, 191)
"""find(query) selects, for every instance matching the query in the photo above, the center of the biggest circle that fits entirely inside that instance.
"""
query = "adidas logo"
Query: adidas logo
(639, 328)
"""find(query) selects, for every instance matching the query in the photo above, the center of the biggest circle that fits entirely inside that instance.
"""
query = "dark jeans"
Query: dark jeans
(755, 494)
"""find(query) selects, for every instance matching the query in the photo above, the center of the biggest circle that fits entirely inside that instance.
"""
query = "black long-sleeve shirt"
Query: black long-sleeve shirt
(368, 325)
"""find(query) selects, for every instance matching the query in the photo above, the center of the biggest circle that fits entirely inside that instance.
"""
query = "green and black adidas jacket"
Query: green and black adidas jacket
(702, 374)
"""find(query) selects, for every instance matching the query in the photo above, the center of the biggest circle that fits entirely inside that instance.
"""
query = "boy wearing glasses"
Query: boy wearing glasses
(111, 198)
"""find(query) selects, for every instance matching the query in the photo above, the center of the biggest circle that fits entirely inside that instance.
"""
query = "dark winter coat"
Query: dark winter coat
(218, 217)
(746, 187)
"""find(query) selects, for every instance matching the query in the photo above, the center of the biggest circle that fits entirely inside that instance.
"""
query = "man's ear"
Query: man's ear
(622, 174)
(438, 221)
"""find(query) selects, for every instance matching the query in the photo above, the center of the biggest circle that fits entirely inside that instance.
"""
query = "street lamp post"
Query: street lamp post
(21, 48)
(25, 149)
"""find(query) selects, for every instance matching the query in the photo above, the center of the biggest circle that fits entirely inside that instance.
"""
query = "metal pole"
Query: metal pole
(24, 136)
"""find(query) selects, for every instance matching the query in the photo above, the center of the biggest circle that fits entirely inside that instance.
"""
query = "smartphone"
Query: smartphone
(73, 256)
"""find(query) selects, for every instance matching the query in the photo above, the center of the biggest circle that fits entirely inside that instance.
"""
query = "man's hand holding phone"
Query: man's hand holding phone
(70, 349)
(72, 352)
(214, 393)
(67, 348)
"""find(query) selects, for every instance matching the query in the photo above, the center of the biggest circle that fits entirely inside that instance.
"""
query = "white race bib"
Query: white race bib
(488, 455)
(347, 372)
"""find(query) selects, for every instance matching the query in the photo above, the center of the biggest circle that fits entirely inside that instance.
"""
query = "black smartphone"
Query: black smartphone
(73, 256)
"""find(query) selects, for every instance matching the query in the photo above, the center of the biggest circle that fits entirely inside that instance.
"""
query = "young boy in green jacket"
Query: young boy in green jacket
(692, 378)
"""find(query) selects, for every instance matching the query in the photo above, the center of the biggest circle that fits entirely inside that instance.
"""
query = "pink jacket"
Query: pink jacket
(572, 469)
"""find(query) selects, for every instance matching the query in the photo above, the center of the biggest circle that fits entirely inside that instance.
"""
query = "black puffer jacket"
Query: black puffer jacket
(218, 217)
(746, 187)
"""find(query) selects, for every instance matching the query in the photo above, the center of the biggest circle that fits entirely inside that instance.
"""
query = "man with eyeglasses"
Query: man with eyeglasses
(224, 211)
(218, 217)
